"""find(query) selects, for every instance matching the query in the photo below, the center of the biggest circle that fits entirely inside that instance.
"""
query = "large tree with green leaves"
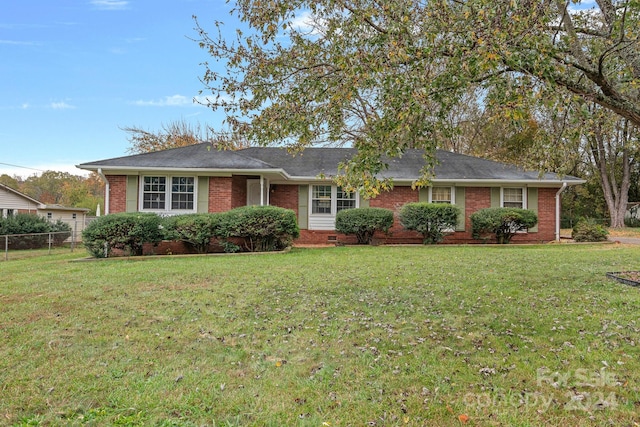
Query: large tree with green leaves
(382, 75)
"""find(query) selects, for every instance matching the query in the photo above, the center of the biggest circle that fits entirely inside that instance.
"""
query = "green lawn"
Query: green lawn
(345, 336)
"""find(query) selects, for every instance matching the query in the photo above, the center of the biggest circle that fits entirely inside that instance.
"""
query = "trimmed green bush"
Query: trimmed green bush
(503, 223)
(432, 220)
(262, 228)
(195, 230)
(364, 222)
(62, 230)
(33, 224)
(588, 230)
(125, 231)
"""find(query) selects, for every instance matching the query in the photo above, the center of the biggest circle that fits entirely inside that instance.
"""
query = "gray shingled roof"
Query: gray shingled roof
(315, 161)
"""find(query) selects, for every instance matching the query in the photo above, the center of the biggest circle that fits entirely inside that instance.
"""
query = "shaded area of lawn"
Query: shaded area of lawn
(517, 335)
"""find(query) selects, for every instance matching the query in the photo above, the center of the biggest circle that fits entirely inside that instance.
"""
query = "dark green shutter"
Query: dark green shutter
(303, 207)
(132, 193)
(532, 204)
(203, 194)
(460, 202)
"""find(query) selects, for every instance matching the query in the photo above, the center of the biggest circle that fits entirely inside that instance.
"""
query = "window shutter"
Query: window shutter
(532, 204)
(303, 207)
(203, 194)
(423, 194)
(495, 197)
(363, 203)
(460, 202)
(132, 193)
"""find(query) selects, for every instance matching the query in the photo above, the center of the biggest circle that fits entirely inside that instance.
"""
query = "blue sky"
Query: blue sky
(74, 72)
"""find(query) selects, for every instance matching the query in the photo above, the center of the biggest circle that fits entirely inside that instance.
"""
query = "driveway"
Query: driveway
(626, 240)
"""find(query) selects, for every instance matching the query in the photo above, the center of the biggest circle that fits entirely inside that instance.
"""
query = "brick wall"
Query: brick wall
(220, 194)
(117, 193)
(284, 196)
(238, 191)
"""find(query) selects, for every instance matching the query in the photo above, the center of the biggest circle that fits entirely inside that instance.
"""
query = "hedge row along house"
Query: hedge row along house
(198, 178)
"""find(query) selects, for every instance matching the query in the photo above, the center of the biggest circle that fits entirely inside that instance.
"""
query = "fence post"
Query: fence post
(6, 248)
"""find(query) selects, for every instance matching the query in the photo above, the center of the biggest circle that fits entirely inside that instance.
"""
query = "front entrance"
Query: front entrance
(254, 192)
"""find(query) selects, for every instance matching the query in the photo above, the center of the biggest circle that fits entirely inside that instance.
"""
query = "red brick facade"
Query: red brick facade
(117, 193)
(226, 193)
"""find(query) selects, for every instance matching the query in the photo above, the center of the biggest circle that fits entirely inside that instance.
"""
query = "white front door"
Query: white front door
(253, 192)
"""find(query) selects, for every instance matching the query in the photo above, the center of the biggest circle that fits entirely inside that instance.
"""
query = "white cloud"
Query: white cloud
(110, 4)
(307, 23)
(167, 101)
(61, 106)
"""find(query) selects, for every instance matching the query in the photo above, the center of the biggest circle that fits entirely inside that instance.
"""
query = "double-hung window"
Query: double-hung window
(441, 195)
(326, 200)
(162, 193)
(513, 197)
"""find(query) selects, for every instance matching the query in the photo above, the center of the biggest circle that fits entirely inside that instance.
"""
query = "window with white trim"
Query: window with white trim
(321, 199)
(513, 197)
(441, 195)
(162, 193)
(344, 199)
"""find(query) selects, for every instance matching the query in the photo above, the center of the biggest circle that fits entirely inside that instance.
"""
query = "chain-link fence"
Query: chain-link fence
(34, 244)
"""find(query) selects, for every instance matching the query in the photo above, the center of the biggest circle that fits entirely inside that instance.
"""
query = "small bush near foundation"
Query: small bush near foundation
(502, 223)
(432, 220)
(125, 231)
(364, 222)
(587, 230)
(195, 230)
(262, 228)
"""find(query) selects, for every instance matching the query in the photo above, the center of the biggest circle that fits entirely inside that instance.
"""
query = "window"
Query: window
(182, 191)
(325, 201)
(157, 195)
(49, 216)
(345, 200)
(74, 216)
(10, 213)
(441, 195)
(154, 192)
(513, 198)
(321, 199)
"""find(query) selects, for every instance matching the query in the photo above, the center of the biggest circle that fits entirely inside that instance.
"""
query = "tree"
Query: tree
(174, 135)
(383, 76)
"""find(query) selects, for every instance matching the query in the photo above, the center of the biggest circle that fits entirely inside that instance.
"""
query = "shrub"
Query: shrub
(263, 228)
(588, 230)
(432, 220)
(195, 230)
(503, 223)
(62, 230)
(364, 222)
(124, 231)
(26, 224)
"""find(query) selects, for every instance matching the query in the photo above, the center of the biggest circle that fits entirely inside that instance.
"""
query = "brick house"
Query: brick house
(200, 179)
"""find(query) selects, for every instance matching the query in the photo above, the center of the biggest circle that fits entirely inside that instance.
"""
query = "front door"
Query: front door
(253, 192)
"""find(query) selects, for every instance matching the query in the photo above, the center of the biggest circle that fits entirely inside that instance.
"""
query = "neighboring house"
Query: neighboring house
(198, 178)
(13, 202)
(76, 218)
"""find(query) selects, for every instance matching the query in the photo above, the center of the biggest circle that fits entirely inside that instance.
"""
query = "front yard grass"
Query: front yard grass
(345, 336)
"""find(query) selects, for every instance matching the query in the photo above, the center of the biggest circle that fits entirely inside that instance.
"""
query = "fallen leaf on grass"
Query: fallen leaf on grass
(463, 418)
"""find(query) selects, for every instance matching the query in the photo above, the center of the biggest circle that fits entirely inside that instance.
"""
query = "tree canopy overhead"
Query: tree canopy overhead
(382, 75)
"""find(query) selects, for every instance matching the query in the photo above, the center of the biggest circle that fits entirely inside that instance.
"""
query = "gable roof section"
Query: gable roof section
(313, 162)
(15, 192)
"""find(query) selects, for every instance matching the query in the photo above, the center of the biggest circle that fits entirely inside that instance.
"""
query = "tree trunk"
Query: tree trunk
(605, 157)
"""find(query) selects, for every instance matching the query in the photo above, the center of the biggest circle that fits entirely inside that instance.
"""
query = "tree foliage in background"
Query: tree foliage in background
(384, 76)
(177, 134)
(60, 188)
